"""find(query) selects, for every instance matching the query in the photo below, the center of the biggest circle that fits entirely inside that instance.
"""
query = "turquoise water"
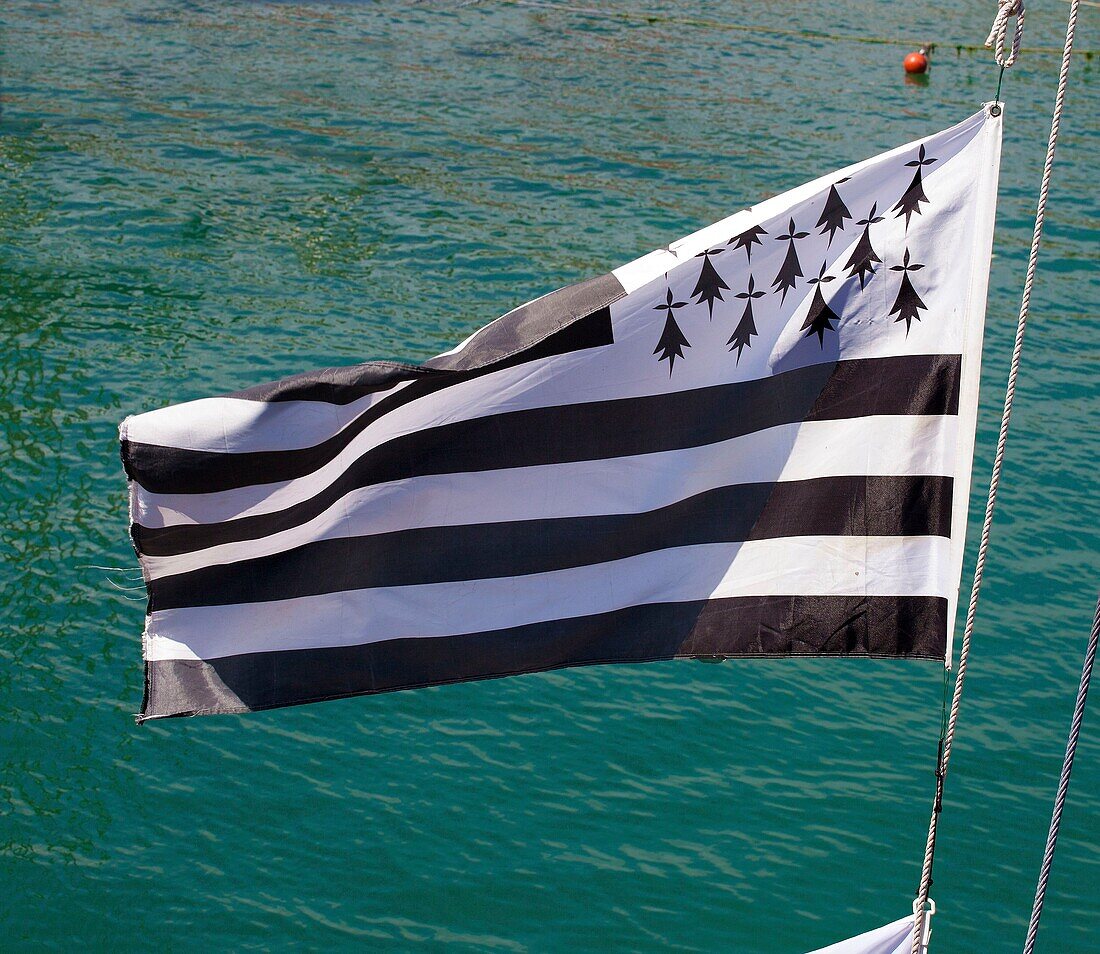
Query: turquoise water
(198, 197)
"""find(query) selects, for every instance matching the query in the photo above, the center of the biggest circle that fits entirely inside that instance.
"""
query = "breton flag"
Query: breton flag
(756, 441)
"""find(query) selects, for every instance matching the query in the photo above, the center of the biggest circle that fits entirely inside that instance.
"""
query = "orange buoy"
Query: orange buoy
(916, 63)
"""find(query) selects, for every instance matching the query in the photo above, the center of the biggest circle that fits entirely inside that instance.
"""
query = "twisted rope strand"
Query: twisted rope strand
(1063, 783)
(998, 33)
(998, 464)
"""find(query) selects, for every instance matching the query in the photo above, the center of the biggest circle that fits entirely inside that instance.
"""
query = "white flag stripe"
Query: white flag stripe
(813, 566)
(234, 425)
(889, 446)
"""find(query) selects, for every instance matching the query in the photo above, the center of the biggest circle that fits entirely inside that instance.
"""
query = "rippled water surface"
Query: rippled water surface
(199, 197)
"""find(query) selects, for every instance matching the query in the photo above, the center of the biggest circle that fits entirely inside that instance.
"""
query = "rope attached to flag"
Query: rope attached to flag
(1007, 9)
(998, 33)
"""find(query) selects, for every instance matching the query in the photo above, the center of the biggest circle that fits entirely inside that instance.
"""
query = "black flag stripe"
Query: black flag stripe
(830, 506)
(868, 626)
(909, 385)
(172, 469)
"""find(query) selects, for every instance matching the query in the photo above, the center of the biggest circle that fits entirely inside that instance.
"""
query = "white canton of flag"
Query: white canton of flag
(755, 442)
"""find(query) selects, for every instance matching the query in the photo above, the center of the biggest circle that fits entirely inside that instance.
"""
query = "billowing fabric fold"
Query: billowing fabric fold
(894, 938)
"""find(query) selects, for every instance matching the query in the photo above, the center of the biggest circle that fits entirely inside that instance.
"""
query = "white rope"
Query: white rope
(999, 32)
(1002, 437)
(1063, 783)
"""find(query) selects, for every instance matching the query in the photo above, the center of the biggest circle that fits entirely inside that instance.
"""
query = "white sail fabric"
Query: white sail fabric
(895, 938)
(754, 442)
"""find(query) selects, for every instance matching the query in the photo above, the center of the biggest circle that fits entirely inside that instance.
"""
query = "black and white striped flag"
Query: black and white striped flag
(754, 442)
